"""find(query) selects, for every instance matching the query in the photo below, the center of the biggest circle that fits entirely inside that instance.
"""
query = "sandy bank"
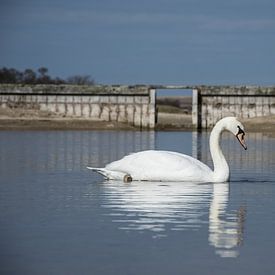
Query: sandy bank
(260, 124)
(60, 124)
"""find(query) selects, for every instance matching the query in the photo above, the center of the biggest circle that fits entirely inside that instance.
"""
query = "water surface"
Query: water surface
(57, 217)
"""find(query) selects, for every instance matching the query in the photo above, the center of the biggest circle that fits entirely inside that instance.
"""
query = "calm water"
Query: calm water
(57, 217)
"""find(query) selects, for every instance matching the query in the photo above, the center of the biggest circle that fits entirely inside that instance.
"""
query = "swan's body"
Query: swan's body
(171, 166)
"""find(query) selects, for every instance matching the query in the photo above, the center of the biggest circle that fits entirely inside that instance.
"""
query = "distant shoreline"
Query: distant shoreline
(260, 124)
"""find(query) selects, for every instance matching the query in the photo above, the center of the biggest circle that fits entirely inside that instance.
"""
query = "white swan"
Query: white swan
(171, 166)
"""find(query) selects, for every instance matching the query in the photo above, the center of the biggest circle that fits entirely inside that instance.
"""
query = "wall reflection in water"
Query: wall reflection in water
(52, 151)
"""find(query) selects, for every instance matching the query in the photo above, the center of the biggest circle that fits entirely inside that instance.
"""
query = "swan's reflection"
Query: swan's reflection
(225, 228)
(161, 207)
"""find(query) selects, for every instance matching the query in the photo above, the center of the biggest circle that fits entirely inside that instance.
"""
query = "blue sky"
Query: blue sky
(142, 41)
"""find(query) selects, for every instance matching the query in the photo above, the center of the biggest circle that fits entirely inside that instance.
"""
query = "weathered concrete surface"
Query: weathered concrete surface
(134, 105)
(212, 103)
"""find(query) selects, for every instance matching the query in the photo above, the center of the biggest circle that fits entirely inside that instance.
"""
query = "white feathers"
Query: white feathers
(159, 166)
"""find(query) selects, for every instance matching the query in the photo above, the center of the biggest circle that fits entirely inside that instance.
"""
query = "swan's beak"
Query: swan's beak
(240, 137)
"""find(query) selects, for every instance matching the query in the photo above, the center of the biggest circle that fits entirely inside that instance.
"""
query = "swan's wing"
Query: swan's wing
(156, 165)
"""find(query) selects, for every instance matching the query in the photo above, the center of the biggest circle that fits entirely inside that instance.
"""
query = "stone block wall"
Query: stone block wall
(214, 103)
(134, 105)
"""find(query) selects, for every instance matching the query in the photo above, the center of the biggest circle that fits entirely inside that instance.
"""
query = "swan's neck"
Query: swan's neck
(221, 169)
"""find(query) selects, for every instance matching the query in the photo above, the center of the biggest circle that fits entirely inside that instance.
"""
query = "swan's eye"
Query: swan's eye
(240, 131)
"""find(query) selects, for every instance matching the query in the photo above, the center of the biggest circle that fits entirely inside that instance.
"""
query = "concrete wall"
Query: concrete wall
(130, 104)
(213, 103)
(136, 104)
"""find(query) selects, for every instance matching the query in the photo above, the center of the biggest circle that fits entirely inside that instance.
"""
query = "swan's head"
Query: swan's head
(233, 125)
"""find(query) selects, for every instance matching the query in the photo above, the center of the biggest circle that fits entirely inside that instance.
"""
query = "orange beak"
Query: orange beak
(240, 138)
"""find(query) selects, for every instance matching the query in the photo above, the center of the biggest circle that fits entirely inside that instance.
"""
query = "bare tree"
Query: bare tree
(43, 77)
(29, 76)
(10, 76)
(80, 80)
(43, 71)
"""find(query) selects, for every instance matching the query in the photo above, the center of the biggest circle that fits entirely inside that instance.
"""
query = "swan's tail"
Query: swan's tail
(112, 175)
(101, 171)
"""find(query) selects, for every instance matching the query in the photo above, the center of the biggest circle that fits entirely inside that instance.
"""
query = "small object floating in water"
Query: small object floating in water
(154, 165)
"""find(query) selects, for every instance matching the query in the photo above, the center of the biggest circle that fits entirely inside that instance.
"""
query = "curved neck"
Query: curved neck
(221, 169)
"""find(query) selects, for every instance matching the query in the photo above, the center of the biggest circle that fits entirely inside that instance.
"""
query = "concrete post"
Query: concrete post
(195, 108)
(152, 108)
